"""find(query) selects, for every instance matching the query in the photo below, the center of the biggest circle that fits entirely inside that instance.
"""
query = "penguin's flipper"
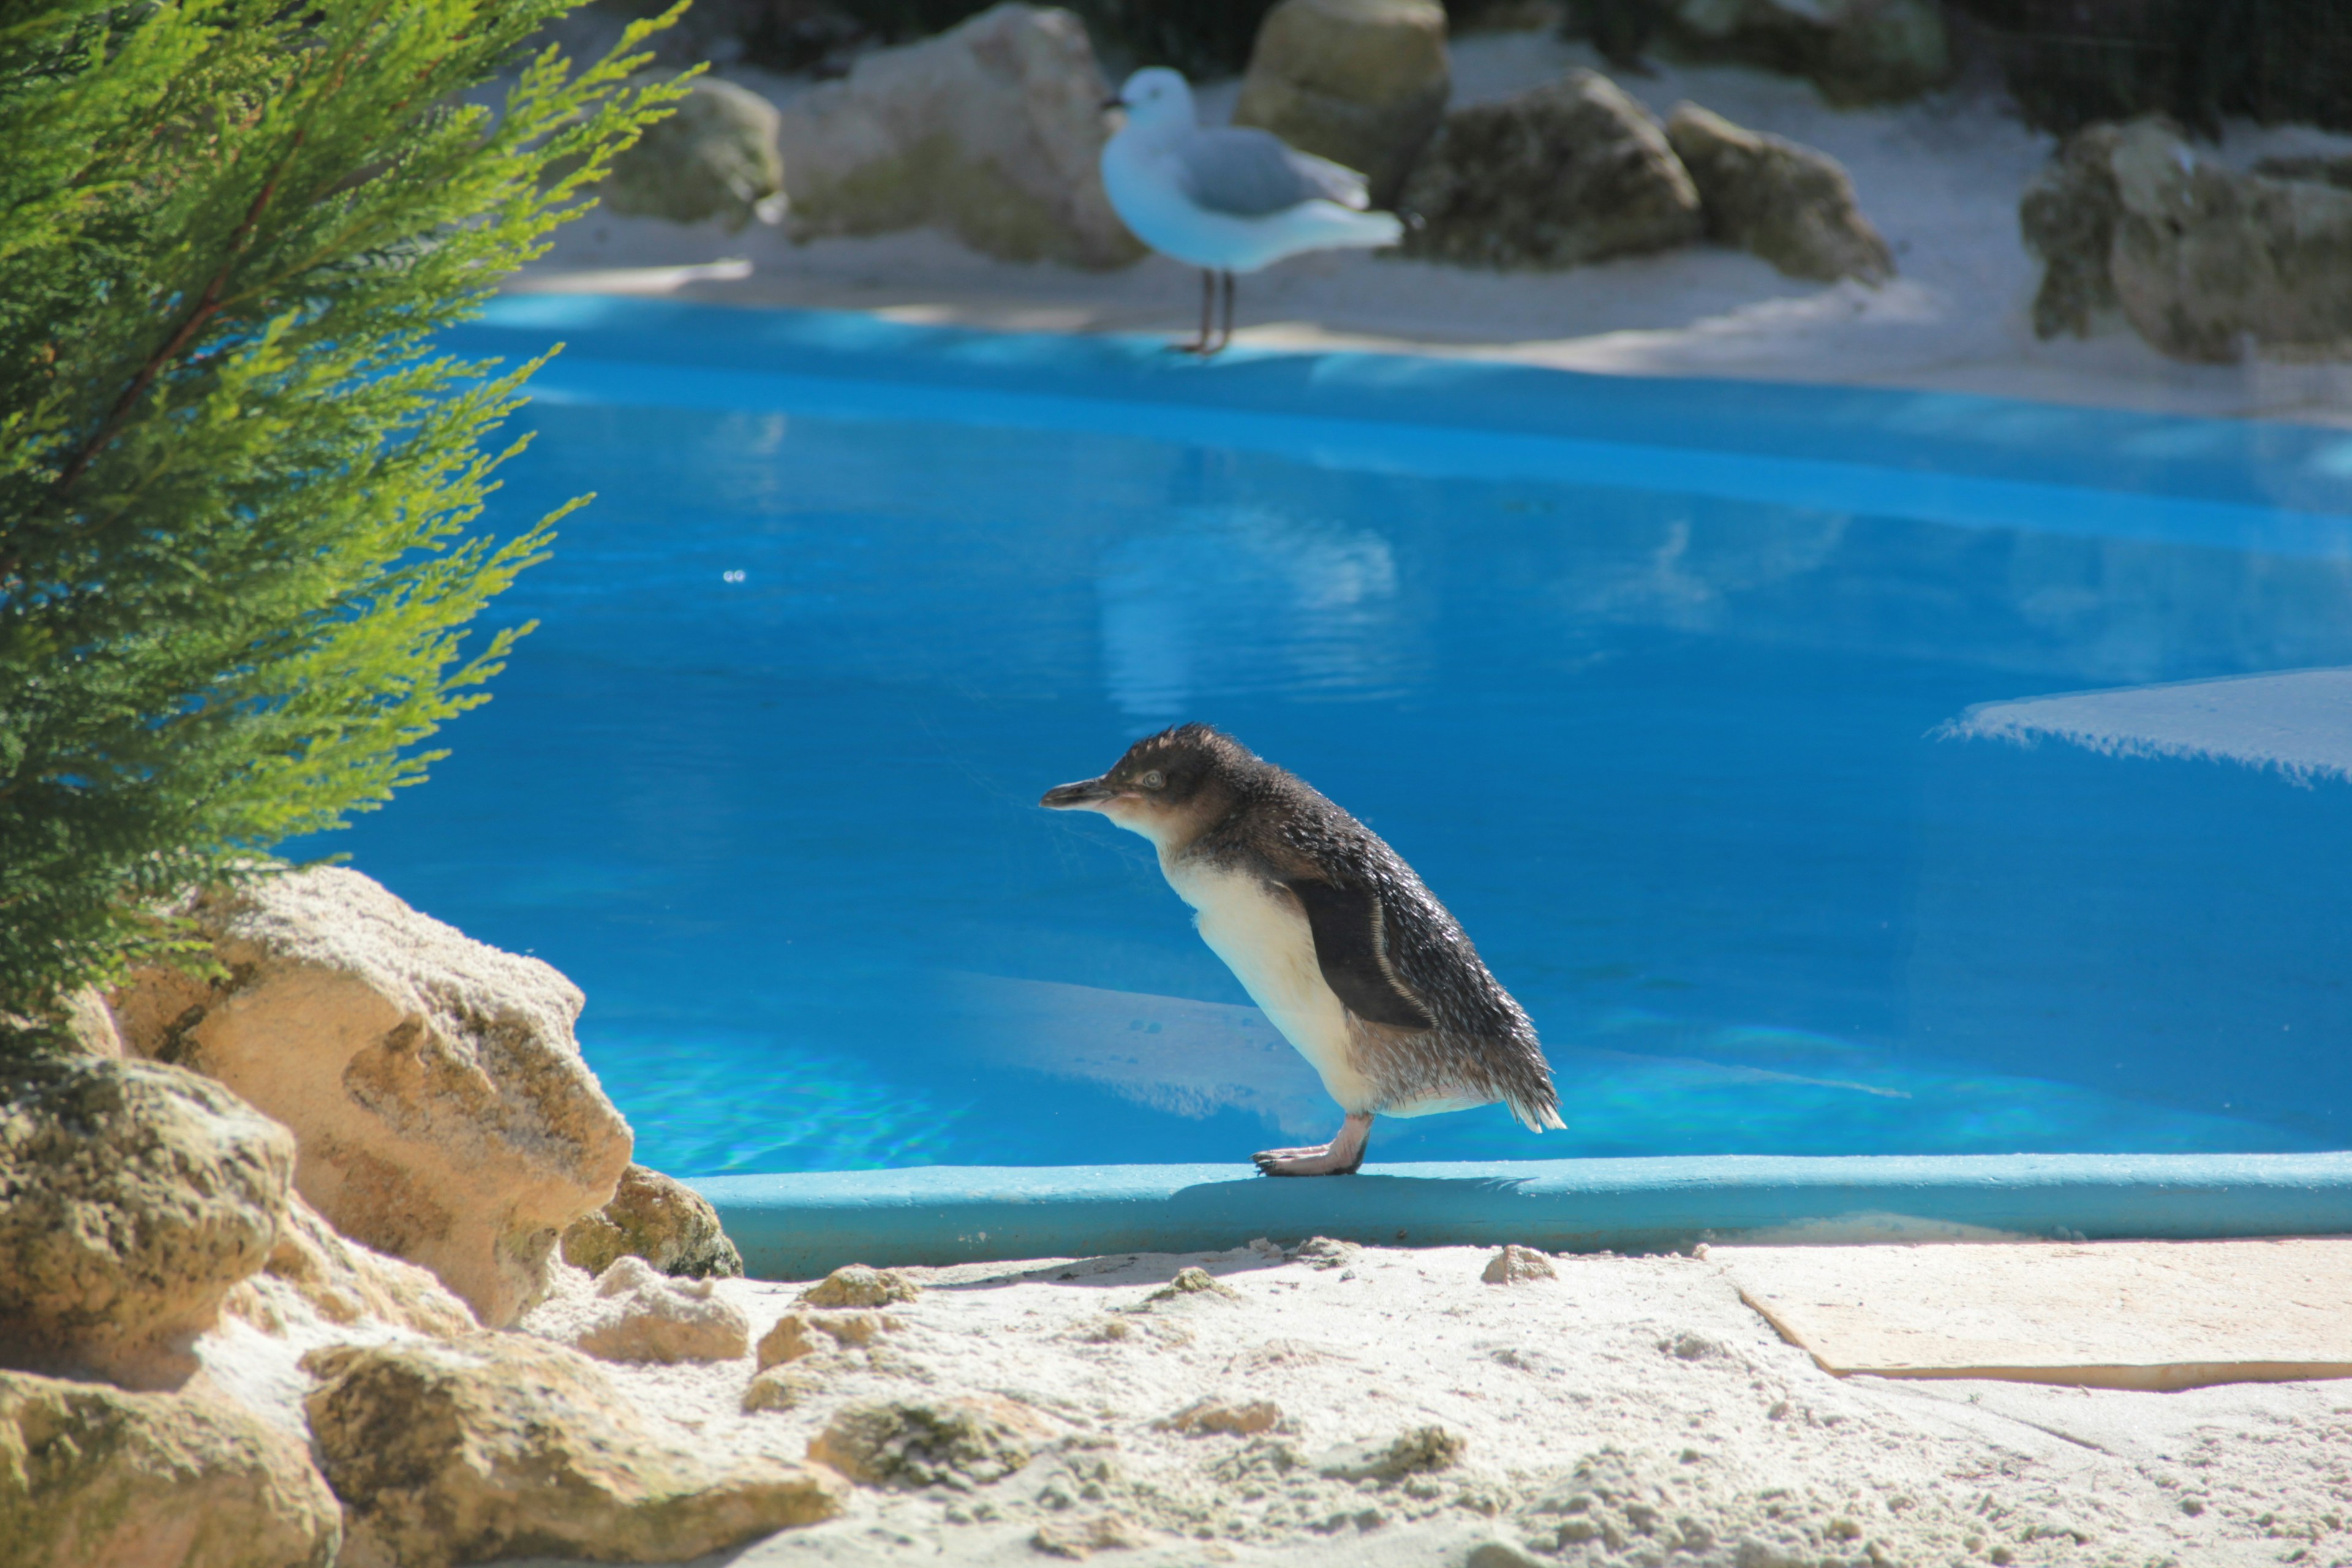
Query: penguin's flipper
(1352, 949)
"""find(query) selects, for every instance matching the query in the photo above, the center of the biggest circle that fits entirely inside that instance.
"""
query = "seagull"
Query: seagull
(1226, 198)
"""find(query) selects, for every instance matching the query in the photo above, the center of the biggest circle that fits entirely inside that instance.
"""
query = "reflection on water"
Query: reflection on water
(764, 784)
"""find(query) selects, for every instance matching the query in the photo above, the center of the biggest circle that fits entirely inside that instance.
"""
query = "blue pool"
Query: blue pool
(1817, 766)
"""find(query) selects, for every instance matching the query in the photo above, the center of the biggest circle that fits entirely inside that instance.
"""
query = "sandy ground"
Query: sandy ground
(1941, 178)
(1631, 1410)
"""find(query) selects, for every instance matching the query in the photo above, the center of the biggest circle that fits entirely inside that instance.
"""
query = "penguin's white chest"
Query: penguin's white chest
(1263, 935)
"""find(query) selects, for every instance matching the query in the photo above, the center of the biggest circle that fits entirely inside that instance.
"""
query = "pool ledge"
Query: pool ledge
(800, 1225)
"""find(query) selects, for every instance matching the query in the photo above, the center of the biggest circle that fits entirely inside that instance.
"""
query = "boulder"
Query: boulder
(1361, 82)
(715, 157)
(953, 1443)
(659, 1219)
(1855, 51)
(860, 1285)
(991, 131)
(2068, 218)
(441, 1109)
(344, 1283)
(1572, 171)
(498, 1444)
(1788, 204)
(643, 1316)
(2202, 260)
(799, 1334)
(133, 1196)
(2208, 260)
(92, 1477)
(1516, 1265)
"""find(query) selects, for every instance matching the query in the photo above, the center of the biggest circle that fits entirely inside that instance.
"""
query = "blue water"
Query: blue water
(1652, 682)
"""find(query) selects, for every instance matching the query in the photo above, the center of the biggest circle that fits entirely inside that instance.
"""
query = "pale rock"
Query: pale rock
(1323, 1252)
(798, 1334)
(92, 1477)
(793, 1383)
(1244, 1419)
(446, 1452)
(91, 1025)
(1855, 51)
(1080, 1539)
(1414, 1452)
(1515, 1265)
(1195, 1282)
(993, 129)
(659, 1219)
(714, 157)
(133, 1196)
(641, 1315)
(346, 1283)
(859, 1285)
(440, 1104)
(1361, 82)
(2068, 218)
(2208, 260)
(953, 1443)
(1788, 204)
(1572, 171)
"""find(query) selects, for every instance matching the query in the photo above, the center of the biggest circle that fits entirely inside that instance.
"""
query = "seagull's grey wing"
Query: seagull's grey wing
(1352, 949)
(1245, 173)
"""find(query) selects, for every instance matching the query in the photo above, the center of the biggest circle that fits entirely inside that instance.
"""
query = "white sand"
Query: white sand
(1941, 178)
(1643, 1369)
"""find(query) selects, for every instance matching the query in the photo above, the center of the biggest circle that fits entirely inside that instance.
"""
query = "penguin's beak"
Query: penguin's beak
(1084, 795)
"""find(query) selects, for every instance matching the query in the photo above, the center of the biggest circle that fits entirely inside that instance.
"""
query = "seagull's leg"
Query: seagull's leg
(1226, 337)
(1339, 1157)
(1200, 346)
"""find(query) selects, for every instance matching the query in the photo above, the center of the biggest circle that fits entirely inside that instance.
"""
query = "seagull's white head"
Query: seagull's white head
(1156, 96)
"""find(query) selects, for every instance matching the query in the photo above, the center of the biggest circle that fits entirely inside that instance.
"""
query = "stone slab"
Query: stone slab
(2113, 1314)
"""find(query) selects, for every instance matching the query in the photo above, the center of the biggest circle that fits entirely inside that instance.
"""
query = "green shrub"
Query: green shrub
(238, 488)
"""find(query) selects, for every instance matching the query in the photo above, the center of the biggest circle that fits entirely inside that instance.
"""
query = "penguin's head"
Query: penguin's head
(1168, 788)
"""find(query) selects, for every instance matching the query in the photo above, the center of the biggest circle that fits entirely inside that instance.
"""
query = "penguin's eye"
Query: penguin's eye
(1155, 779)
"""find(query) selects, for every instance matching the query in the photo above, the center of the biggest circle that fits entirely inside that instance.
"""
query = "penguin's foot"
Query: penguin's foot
(1339, 1157)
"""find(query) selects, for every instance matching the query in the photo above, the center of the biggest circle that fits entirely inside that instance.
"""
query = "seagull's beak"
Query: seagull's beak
(1113, 101)
(1087, 794)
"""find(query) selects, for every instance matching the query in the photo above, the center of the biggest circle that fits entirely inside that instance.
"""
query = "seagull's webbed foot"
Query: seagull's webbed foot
(1339, 1157)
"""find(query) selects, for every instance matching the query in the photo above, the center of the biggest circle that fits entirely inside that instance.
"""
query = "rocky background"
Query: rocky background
(836, 120)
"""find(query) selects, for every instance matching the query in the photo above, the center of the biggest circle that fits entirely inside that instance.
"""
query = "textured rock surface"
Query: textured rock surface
(659, 1219)
(494, 1443)
(132, 1198)
(953, 1443)
(1572, 171)
(441, 1108)
(1361, 82)
(2207, 259)
(92, 1477)
(798, 1334)
(1855, 51)
(2068, 218)
(1789, 205)
(1516, 1264)
(858, 1285)
(715, 157)
(991, 131)
(345, 1283)
(1244, 1418)
(644, 1316)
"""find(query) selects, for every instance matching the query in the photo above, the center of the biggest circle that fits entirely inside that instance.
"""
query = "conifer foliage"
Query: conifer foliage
(239, 490)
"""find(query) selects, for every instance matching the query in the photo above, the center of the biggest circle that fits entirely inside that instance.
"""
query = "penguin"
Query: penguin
(1332, 935)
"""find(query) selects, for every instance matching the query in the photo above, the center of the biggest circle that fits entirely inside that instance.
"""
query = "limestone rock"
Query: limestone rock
(659, 1219)
(1516, 1264)
(992, 131)
(346, 1283)
(1080, 1539)
(794, 1384)
(643, 1316)
(715, 157)
(2068, 216)
(1241, 1420)
(90, 1026)
(92, 1477)
(1197, 1282)
(432, 1082)
(1572, 171)
(857, 1285)
(500, 1443)
(1415, 1452)
(1789, 204)
(132, 1198)
(1361, 82)
(798, 1334)
(1855, 51)
(2207, 259)
(1322, 1252)
(953, 1443)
